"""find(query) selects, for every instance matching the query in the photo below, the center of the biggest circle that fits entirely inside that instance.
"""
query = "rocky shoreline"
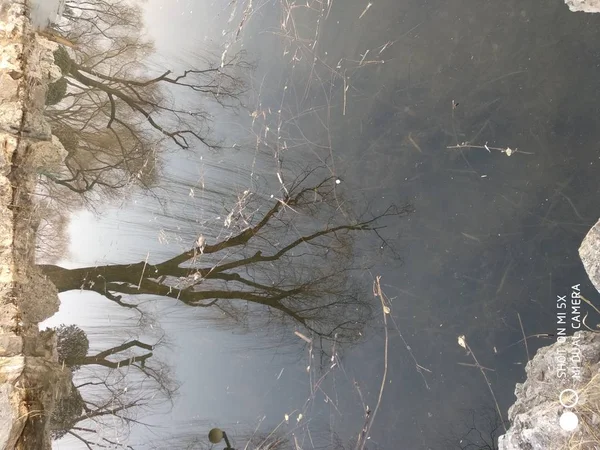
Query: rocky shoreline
(536, 414)
(30, 376)
(563, 378)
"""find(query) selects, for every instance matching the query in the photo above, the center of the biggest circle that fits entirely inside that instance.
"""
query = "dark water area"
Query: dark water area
(494, 237)
(484, 117)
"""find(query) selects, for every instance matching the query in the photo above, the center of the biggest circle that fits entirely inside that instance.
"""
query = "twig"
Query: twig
(501, 285)
(524, 337)
(418, 366)
(414, 143)
(539, 335)
(143, 270)
(345, 91)
(303, 337)
(463, 343)
(507, 150)
(473, 365)
(589, 303)
(572, 205)
(365, 10)
(360, 443)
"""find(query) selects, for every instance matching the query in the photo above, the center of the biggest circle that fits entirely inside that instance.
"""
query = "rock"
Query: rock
(13, 20)
(23, 417)
(12, 421)
(11, 117)
(11, 344)
(13, 120)
(589, 252)
(10, 59)
(535, 415)
(31, 379)
(47, 155)
(590, 6)
(39, 298)
(42, 60)
(9, 86)
(36, 71)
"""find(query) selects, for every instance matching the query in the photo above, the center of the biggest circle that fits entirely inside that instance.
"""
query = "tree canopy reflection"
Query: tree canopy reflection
(282, 259)
(292, 255)
(113, 111)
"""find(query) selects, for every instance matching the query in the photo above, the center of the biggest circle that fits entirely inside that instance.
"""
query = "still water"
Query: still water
(45, 12)
(481, 116)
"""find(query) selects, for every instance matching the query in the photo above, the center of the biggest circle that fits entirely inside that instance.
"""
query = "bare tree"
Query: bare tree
(269, 261)
(113, 386)
(264, 264)
(112, 113)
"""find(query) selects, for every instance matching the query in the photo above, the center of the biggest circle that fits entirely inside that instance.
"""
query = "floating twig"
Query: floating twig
(303, 337)
(370, 415)
(524, 337)
(365, 10)
(462, 341)
(506, 150)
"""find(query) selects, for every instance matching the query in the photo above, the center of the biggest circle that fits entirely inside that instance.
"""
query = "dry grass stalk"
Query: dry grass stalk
(370, 416)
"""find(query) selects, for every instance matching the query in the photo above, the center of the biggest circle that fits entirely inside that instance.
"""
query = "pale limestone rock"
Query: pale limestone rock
(10, 54)
(589, 252)
(13, 21)
(12, 421)
(27, 359)
(590, 6)
(42, 61)
(535, 414)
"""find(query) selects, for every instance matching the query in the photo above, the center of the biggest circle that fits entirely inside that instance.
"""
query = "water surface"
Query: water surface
(387, 98)
(45, 12)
